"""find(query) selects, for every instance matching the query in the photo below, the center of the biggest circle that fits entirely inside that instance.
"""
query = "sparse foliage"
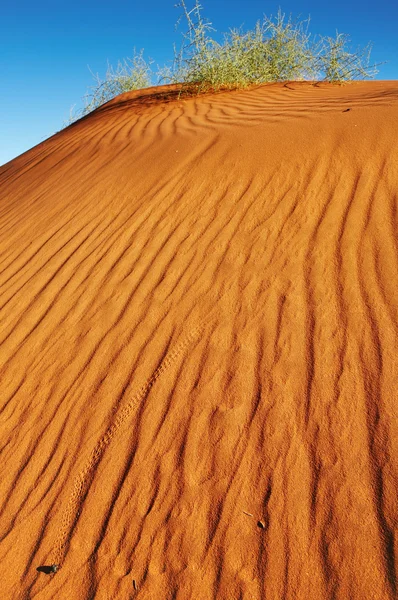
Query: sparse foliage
(277, 49)
(130, 74)
(334, 62)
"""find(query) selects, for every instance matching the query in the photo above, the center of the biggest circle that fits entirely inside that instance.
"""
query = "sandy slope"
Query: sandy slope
(199, 319)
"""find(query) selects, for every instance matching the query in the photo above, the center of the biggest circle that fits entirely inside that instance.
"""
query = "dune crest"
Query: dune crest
(198, 372)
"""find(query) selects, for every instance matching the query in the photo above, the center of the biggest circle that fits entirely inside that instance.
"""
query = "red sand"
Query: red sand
(199, 322)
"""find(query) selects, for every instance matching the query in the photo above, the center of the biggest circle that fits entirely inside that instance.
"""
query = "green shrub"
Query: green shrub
(277, 49)
(334, 62)
(130, 74)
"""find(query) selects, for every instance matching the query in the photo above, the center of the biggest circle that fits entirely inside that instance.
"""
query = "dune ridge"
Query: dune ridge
(198, 349)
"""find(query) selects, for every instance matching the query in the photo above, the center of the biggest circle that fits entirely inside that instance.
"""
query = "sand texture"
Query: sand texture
(198, 350)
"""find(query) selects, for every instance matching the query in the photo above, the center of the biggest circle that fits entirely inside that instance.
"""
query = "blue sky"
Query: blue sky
(47, 46)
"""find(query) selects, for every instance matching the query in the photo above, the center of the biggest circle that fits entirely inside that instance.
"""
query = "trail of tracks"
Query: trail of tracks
(83, 478)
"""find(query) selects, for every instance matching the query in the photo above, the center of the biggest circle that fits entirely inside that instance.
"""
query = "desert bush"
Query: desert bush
(334, 62)
(130, 74)
(277, 49)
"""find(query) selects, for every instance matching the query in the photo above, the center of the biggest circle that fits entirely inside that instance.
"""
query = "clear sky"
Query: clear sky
(46, 47)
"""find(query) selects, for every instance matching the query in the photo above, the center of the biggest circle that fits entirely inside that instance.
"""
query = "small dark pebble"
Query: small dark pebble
(261, 524)
(48, 569)
(346, 110)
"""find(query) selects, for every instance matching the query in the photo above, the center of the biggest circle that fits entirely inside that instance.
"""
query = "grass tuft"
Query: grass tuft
(277, 49)
(130, 74)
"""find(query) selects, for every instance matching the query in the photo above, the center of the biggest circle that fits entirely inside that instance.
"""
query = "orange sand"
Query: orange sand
(199, 323)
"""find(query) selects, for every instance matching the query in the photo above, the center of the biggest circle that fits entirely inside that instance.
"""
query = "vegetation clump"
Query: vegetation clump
(130, 74)
(277, 49)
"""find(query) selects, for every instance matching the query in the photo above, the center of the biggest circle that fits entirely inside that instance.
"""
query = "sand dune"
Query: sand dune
(198, 370)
